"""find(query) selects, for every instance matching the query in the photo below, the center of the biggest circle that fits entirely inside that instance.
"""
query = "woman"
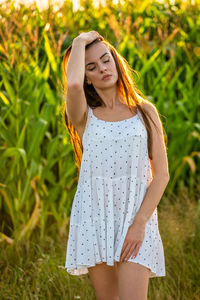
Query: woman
(118, 140)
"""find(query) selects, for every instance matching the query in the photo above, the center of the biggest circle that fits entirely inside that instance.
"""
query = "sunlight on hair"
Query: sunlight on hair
(127, 89)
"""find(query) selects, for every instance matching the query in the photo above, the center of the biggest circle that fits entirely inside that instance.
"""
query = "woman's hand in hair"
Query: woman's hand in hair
(88, 37)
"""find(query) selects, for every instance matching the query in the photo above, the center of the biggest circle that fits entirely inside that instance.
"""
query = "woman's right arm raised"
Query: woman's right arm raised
(76, 105)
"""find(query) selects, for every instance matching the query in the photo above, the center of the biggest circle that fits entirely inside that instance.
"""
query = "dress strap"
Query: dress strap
(90, 112)
(140, 116)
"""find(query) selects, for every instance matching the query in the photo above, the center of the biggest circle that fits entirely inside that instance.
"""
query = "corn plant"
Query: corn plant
(38, 177)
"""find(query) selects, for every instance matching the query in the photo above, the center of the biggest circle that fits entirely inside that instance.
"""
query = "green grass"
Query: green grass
(34, 269)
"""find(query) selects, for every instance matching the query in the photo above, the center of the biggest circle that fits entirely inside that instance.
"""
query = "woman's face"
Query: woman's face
(99, 62)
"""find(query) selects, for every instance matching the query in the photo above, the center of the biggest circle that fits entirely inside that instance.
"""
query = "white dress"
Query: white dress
(114, 176)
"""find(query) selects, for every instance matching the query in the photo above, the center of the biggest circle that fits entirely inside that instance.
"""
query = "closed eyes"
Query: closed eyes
(95, 67)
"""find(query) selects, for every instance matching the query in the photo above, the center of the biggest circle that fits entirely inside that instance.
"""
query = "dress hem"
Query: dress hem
(83, 269)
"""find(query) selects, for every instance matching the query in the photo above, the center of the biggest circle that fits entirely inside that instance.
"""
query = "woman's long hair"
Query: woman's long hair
(126, 88)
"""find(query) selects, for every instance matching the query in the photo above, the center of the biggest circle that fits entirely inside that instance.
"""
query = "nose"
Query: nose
(102, 67)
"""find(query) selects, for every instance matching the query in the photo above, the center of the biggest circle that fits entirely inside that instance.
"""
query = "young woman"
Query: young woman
(120, 152)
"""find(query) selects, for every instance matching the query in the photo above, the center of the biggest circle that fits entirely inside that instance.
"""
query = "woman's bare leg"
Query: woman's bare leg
(133, 281)
(105, 281)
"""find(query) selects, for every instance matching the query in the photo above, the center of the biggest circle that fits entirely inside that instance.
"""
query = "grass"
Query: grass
(34, 269)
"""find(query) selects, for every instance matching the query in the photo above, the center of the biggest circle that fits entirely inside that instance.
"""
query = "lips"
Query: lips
(106, 76)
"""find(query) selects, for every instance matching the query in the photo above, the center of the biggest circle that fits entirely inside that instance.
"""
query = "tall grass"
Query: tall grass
(32, 270)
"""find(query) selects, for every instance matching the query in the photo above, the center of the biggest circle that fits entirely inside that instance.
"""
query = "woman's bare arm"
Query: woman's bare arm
(76, 103)
(159, 165)
(76, 64)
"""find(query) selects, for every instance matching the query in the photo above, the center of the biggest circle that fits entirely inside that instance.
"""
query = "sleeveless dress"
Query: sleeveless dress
(114, 176)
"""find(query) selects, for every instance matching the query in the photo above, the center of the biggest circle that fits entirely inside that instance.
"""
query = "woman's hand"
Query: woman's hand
(133, 241)
(88, 37)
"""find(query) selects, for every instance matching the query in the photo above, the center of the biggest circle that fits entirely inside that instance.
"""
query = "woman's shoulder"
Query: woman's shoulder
(146, 104)
(149, 107)
(153, 113)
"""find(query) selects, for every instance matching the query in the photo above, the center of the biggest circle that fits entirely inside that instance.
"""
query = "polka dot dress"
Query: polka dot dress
(114, 176)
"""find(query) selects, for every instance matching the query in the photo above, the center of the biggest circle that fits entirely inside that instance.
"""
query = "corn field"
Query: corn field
(38, 176)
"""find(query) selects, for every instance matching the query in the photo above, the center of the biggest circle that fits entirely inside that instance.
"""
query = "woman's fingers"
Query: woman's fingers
(128, 249)
(95, 32)
(124, 250)
(89, 37)
(136, 250)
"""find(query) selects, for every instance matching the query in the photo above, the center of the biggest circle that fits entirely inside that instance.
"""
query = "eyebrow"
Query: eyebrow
(100, 58)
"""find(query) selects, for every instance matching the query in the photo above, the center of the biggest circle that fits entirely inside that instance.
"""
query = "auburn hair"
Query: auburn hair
(126, 88)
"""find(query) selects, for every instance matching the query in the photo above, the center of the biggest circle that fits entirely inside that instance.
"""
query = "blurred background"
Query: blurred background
(38, 175)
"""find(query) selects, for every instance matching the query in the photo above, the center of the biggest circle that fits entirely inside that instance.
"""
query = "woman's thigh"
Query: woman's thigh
(105, 281)
(133, 280)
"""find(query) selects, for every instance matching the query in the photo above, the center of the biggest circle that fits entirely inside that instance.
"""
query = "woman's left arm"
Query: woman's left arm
(159, 166)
